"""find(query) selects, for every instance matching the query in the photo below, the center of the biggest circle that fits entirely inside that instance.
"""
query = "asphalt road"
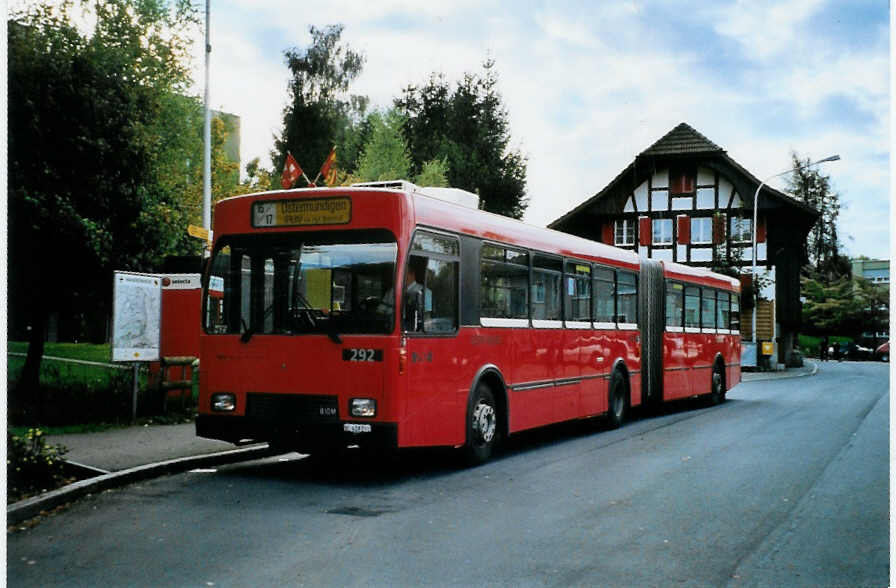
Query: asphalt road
(784, 485)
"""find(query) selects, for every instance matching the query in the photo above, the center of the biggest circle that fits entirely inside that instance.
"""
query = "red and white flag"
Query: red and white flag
(291, 172)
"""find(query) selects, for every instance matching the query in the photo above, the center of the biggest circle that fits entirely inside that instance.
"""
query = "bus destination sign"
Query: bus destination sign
(291, 213)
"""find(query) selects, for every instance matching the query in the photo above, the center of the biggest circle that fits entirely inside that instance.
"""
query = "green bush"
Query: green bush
(32, 466)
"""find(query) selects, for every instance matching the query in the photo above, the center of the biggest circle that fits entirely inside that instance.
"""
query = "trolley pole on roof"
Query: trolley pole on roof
(207, 137)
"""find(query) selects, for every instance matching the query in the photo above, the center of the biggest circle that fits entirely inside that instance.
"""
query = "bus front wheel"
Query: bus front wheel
(482, 425)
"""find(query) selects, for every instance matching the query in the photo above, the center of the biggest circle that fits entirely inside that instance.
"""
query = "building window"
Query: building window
(701, 254)
(681, 182)
(701, 230)
(741, 230)
(624, 232)
(706, 198)
(662, 231)
(683, 203)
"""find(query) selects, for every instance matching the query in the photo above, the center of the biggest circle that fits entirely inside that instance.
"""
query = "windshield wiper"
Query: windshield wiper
(247, 334)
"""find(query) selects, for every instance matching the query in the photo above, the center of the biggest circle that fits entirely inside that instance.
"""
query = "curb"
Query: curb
(31, 507)
(761, 377)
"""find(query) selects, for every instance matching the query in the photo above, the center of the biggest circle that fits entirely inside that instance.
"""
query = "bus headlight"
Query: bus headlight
(224, 402)
(363, 407)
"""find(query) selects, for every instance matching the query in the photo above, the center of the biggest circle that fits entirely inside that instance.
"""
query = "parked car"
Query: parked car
(856, 352)
(883, 352)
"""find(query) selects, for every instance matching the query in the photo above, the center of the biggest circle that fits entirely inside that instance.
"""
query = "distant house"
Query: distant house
(876, 271)
(684, 199)
(873, 270)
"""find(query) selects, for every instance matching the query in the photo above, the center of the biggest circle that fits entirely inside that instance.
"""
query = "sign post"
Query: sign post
(136, 320)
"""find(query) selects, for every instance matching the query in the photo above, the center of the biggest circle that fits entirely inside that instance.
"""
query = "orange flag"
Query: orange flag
(328, 169)
(291, 172)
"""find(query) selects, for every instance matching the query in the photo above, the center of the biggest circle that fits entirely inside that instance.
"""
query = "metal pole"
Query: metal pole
(753, 231)
(207, 136)
(753, 281)
(134, 395)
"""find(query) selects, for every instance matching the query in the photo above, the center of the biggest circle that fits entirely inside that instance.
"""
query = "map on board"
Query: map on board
(136, 322)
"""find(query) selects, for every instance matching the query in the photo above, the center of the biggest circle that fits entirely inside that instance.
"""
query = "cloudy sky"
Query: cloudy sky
(589, 85)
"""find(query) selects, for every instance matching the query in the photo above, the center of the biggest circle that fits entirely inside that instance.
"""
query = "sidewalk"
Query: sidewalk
(119, 449)
(810, 367)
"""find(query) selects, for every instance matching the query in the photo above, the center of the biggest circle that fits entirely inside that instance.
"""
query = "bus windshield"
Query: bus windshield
(332, 282)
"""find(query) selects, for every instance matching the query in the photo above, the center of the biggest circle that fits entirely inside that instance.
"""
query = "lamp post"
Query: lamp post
(755, 220)
(206, 137)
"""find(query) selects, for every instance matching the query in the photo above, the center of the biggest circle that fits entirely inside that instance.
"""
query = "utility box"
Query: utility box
(181, 311)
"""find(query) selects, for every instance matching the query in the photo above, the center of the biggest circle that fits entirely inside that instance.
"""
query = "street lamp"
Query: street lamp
(753, 228)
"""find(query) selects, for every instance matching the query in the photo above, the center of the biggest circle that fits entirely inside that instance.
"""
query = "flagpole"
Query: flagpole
(207, 135)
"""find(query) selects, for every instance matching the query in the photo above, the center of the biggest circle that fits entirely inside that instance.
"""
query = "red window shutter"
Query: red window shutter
(681, 183)
(760, 231)
(607, 232)
(644, 234)
(718, 229)
(684, 229)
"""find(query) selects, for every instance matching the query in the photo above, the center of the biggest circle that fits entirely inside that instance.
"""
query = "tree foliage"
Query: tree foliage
(809, 185)
(385, 155)
(321, 113)
(849, 305)
(95, 134)
(466, 127)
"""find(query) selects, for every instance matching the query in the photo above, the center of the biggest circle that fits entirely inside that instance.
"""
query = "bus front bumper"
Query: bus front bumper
(299, 437)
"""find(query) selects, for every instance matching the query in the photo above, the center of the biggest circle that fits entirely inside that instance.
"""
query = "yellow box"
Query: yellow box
(768, 348)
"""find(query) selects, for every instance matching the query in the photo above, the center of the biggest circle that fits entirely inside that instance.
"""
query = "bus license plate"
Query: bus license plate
(356, 428)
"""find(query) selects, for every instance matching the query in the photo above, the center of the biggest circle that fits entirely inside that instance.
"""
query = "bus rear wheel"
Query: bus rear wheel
(717, 390)
(482, 425)
(618, 400)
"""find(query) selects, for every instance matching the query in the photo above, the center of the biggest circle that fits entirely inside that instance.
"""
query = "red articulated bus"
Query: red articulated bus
(391, 316)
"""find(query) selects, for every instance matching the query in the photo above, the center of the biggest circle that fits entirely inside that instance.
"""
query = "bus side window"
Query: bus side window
(431, 288)
(578, 291)
(674, 304)
(604, 295)
(505, 283)
(735, 313)
(723, 310)
(692, 307)
(627, 298)
(708, 315)
(546, 298)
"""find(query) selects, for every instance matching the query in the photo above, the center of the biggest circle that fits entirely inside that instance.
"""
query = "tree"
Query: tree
(434, 173)
(810, 186)
(92, 140)
(321, 113)
(849, 305)
(467, 128)
(385, 156)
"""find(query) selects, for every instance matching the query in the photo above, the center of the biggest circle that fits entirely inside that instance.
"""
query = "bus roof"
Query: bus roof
(431, 211)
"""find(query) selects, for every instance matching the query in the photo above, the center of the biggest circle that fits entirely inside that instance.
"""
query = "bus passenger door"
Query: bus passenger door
(435, 407)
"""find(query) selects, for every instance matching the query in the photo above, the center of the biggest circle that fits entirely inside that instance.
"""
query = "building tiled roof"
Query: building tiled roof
(682, 139)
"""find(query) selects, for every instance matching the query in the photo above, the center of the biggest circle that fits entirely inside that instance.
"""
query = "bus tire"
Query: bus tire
(617, 400)
(717, 385)
(482, 425)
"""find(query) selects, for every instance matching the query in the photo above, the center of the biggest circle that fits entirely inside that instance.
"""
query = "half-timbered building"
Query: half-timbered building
(685, 199)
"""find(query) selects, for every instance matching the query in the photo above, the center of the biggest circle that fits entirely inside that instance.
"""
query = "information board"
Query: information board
(137, 317)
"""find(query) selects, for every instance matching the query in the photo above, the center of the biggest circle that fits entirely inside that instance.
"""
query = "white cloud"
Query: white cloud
(586, 90)
(765, 28)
